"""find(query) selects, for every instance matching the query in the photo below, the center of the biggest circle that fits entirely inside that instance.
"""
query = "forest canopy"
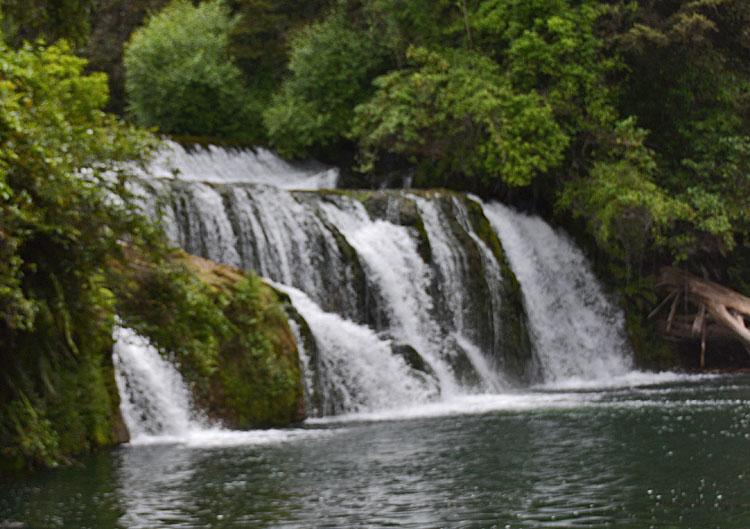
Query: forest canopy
(628, 120)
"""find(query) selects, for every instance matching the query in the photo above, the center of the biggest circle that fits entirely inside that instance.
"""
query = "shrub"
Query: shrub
(180, 76)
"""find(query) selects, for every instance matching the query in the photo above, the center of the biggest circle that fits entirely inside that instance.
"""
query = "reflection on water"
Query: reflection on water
(674, 455)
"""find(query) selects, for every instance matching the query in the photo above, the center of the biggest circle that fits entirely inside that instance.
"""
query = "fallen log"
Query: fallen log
(715, 302)
(682, 330)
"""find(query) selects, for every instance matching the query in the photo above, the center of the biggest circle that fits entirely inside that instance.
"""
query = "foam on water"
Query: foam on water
(637, 391)
(221, 438)
(157, 409)
(465, 405)
(631, 379)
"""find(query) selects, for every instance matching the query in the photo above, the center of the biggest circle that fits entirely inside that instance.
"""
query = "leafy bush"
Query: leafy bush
(60, 162)
(331, 69)
(455, 113)
(180, 77)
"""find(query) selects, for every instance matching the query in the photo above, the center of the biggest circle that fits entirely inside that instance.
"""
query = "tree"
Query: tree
(674, 188)
(61, 163)
(112, 24)
(331, 68)
(49, 20)
(454, 113)
(180, 77)
(688, 85)
(260, 40)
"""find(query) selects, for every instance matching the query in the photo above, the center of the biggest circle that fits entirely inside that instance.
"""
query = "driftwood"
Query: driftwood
(720, 311)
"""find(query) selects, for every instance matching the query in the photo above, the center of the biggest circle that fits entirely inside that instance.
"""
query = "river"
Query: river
(663, 455)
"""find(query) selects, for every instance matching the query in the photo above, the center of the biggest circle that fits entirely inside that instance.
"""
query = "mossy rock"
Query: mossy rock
(517, 356)
(228, 334)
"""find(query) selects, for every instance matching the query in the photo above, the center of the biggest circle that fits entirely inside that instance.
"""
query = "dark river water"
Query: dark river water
(675, 455)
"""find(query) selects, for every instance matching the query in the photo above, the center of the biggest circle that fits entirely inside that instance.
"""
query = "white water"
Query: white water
(155, 400)
(219, 165)
(157, 409)
(358, 370)
(578, 334)
(156, 403)
(389, 254)
(358, 277)
(206, 227)
(492, 381)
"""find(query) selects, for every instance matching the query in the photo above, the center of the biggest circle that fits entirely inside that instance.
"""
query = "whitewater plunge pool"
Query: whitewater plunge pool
(670, 455)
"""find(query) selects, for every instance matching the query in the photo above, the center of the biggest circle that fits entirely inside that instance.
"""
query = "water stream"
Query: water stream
(578, 333)
(664, 455)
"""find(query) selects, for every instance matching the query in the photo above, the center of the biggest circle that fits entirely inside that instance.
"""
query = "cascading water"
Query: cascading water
(356, 370)
(156, 404)
(393, 265)
(407, 295)
(155, 400)
(219, 165)
(578, 333)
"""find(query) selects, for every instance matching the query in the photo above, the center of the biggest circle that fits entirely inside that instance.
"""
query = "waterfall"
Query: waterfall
(157, 408)
(358, 370)
(154, 399)
(222, 165)
(408, 296)
(578, 333)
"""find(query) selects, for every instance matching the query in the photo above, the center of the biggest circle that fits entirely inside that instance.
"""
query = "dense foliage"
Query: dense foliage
(112, 23)
(331, 69)
(455, 114)
(29, 20)
(627, 120)
(180, 77)
(630, 116)
(60, 157)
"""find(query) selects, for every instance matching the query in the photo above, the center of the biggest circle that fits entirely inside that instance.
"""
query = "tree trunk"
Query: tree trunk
(723, 306)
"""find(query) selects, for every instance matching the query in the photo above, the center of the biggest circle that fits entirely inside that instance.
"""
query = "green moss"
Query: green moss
(516, 340)
(228, 332)
(260, 377)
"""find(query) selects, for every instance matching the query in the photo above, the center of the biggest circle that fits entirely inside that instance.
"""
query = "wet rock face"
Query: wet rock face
(412, 358)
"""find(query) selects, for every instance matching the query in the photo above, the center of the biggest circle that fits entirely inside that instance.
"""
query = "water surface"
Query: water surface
(671, 455)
